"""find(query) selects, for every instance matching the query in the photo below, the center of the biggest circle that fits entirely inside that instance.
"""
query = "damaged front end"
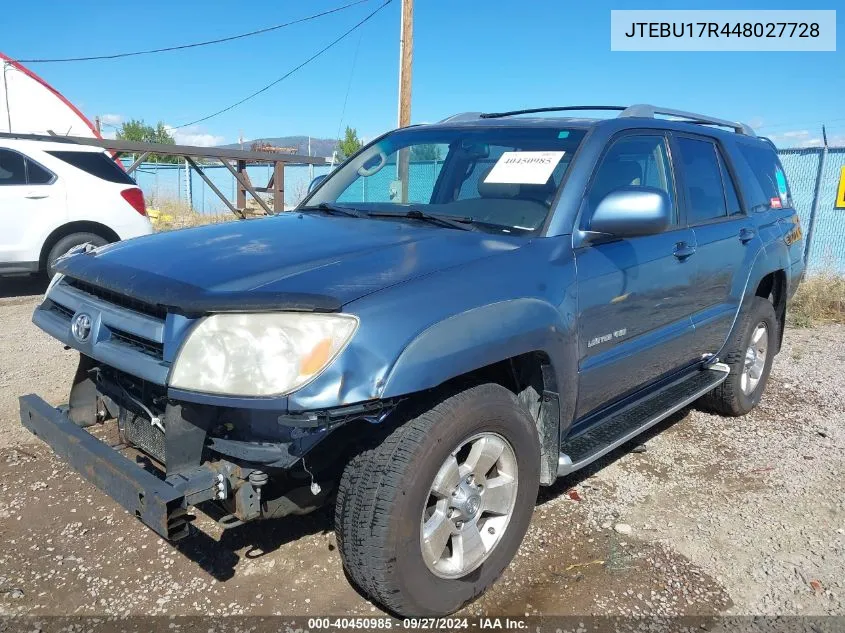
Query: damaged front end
(238, 459)
(237, 465)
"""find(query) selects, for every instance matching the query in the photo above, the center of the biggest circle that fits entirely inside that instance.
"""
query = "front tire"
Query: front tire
(750, 353)
(65, 244)
(427, 520)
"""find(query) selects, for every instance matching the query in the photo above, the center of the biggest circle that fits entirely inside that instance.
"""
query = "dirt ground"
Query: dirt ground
(714, 516)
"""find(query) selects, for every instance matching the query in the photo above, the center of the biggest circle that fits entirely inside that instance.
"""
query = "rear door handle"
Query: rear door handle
(683, 250)
(34, 195)
(746, 235)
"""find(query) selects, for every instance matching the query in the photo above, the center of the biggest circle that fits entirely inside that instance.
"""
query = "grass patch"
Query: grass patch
(819, 299)
(169, 215)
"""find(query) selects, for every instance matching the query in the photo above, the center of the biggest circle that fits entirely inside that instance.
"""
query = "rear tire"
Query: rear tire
(385, 502)
(745, 384)
(65, 244)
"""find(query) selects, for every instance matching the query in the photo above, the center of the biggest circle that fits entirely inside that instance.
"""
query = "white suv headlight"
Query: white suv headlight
(260, 354)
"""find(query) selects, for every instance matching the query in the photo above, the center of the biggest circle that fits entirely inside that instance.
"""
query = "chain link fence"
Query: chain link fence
(814, 175)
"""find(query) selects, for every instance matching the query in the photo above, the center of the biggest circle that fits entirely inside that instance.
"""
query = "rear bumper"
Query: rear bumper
(157, 503)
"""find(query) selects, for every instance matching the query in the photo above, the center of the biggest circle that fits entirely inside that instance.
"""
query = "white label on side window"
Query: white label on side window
(524, 168)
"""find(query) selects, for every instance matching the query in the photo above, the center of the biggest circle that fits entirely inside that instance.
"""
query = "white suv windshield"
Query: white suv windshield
(500, 178)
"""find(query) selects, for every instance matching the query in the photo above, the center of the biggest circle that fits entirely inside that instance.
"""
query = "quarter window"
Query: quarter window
(97, 164)
(36, 174)
(769, 181)
(12, 168)
(702, 181)
(633, 161)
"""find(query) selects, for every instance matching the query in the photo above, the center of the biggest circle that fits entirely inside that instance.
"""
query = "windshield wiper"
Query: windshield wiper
(453, 222)
(336, 208)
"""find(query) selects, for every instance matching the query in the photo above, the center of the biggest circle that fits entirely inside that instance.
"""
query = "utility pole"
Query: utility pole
(310, 166)
(406, 59)
(97, 125)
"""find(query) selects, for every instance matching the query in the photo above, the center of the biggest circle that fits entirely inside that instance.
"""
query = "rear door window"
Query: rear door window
(731, 197)
(97, 164)
(770, 188)
(12, 168)
(705, 196)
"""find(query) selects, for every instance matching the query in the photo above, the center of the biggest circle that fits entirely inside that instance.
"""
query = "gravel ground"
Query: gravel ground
(711, 516)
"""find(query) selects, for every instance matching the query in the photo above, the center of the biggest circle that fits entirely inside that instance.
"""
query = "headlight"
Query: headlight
(260, 354)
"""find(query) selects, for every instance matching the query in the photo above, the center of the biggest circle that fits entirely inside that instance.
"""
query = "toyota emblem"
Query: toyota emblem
(81, 327)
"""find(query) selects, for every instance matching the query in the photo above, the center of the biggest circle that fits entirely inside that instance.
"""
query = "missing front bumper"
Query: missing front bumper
(157, 503)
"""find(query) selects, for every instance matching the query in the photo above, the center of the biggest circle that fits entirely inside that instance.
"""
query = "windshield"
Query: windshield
(499, 178)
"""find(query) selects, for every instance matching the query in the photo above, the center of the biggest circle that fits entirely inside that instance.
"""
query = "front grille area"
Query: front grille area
(59, 309)
(145, 346)
(125, 333)
(157, 312)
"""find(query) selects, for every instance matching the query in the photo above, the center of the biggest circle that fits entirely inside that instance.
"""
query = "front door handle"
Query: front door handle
(746, 235)
(34, 195)
(683, 250)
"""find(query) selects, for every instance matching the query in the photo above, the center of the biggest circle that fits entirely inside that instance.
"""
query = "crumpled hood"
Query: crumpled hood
(291, 261)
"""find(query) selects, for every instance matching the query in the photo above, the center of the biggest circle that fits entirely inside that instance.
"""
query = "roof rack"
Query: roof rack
(641, 110)
(498, 115)
(462, 116)
(646, 111)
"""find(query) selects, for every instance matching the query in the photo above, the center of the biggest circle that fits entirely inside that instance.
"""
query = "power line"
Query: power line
(287, 74)
(195, 44)
(349, 85)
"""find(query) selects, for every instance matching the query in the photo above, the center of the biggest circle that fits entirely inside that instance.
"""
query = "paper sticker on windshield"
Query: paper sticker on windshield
(524, 168)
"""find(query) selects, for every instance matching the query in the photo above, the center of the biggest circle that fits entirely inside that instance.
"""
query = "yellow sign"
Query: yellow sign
(840, 193)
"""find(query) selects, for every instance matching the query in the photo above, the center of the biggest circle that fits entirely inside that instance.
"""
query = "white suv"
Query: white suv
(57, 195)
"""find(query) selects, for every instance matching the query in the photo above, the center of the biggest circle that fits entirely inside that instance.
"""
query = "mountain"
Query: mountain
(319, 146)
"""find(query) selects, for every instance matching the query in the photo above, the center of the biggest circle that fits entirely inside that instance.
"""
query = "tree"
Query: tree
(425, 153)
(350, 143)
(137, 130)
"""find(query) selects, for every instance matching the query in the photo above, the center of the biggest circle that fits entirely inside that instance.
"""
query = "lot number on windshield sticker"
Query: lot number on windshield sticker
(524, 168)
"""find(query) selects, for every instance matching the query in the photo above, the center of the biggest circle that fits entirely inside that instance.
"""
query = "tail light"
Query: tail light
(135, 197)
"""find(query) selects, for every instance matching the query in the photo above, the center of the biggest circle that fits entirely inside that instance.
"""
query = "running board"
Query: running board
(636, 418)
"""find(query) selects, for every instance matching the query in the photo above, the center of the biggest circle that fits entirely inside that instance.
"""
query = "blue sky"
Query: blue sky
(468, 55)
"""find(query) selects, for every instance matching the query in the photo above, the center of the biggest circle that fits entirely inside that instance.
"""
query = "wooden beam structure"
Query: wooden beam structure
(214, 188)
(194, 151)
(244, 185)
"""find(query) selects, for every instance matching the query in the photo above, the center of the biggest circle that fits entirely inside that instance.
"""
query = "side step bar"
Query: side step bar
(636, 418)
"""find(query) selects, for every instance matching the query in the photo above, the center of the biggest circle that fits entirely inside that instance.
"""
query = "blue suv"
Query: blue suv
(458, 314)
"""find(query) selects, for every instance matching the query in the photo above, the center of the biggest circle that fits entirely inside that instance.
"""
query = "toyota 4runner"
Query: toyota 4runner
(460, 313)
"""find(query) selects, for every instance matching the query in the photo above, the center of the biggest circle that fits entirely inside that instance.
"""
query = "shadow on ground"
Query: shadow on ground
(219, 558)
(24, 286)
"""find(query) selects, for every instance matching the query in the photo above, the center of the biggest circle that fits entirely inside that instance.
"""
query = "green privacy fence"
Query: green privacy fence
(814, 175)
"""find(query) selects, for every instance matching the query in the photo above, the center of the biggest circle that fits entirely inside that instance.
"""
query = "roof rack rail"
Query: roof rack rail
(640, 110)
(462, 116)
(498, 115)
(643, 110)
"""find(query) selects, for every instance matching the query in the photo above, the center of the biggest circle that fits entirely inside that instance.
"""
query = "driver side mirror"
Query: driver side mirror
(631, 212)
(316, 182)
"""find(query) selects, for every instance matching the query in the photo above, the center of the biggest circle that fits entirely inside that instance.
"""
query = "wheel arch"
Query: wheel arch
(773, 286)
(520, 344)
(472, 340)
(69, 228)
